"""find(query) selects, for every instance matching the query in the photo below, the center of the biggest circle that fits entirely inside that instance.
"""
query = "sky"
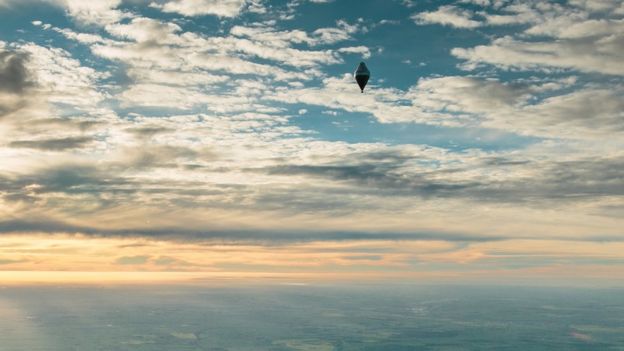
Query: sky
(179, 139)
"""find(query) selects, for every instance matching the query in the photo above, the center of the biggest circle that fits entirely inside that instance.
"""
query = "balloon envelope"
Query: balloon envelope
(362, 74)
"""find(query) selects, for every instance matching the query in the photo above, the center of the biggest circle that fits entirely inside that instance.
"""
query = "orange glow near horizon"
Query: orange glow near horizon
(80, 259)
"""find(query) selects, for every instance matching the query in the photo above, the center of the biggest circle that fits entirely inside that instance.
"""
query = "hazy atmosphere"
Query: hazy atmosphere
(203, 138)
(207, 175)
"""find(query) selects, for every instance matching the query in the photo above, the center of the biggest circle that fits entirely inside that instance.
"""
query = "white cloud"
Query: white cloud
(474, 102)
(62, 78)
(508, 52)
(235, 160)
(283, 38)
(99, 12)
(362, 50)
(221, 8)
(577, 28)
(584, 35)
(142, 29)
(585, 113)
(342, 32)
(184, 98)
(447, 15)
(175, 78)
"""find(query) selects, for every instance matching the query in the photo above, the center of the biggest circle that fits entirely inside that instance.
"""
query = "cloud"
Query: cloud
(132, 260)
(508, 53)
(233, 236)
(142, 29)
(147, 131)
(53, 144)
(378, 177)
(364, 257)
(395, 175)
(521, 108)
(600, 6)
(582, 35)
(60, 78)
(15, 78)
(99, 12)
(221, 8)
(9, 261)
(184, 55)
(283, 38)
(447, 15)
(168, 129)
(13, 73)
(362, 50)
(542, 108)
(171, 262)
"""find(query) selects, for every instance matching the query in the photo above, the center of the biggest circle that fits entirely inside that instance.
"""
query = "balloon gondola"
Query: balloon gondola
(362, 74)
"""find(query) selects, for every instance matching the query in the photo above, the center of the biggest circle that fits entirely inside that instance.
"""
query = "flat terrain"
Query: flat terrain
(310, 318)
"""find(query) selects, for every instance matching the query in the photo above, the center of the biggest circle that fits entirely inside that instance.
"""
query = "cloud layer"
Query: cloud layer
(213, 120)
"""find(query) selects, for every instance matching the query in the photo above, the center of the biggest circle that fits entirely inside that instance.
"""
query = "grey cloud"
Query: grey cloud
(14, 76)
(312, 199)
(106, 179)
(148, 131)
(73, 178)
(595, 109)
(587, 177)
(504, 161)
(364, 257)
(556, 37)
(553, 182)
(267, 237)
(69, 179)
(41, 225)
(384, 177)
(62, 123)
(13, 105)
(160, 156)
(53, 144)
(172, 261)
(7, 261)
(132, 260)
(14, 81)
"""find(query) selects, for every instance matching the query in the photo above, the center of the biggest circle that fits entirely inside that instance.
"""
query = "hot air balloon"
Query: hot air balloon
(361, 75)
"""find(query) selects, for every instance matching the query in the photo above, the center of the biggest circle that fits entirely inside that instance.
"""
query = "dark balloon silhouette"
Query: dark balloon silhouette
(362, 74)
